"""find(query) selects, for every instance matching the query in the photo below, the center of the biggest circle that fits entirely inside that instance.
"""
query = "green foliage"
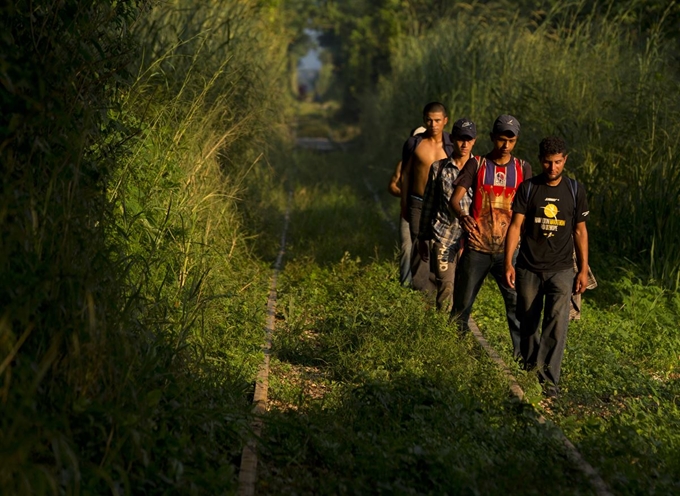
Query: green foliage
(137, 200)
(619, 381)
(131, 311)
(363, 36)
(61, 64)
(373, 389)
(408, 406)
(360, 36)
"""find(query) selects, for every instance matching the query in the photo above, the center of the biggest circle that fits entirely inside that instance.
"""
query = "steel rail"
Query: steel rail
(247, 477)
(572, 452)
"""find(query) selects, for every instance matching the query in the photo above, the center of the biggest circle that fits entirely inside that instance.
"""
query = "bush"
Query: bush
(131, 306)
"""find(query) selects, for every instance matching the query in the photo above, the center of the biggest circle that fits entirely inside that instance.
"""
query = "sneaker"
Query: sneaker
(550, 390)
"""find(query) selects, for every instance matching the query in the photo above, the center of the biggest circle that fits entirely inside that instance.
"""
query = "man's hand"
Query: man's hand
(423, 250)
(510, 276)
(469, 223)
(581, 282)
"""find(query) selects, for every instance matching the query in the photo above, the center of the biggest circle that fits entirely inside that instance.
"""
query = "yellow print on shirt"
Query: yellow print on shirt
(552, 224)
(550, 210)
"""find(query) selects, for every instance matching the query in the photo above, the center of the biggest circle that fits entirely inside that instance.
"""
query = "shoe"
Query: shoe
(550, 390)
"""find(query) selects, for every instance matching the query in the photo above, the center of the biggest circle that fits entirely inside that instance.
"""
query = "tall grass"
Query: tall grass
(131, 306)
(590, 78)
(177, 193)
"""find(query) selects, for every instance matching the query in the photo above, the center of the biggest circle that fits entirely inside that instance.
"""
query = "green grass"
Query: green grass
(142, 206)
(372, 390)
(130, 342)
(408, 406)
(620, 380)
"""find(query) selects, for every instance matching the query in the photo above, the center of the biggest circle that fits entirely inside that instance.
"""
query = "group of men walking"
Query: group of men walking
(462, 217)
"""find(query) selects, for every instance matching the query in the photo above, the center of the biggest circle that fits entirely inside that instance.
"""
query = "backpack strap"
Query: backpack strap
(529, 185)
(573, 187)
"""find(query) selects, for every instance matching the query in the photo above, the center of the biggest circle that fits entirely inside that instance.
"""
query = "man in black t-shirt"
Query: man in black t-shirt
(549, 211)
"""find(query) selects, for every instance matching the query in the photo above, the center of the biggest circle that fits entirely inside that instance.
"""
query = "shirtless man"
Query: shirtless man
(394, 188)
(418, 155)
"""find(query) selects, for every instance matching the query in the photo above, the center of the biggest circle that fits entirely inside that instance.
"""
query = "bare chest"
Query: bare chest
(426, 154)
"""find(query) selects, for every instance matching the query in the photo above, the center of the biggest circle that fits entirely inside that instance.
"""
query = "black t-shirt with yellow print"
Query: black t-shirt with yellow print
(550, 219)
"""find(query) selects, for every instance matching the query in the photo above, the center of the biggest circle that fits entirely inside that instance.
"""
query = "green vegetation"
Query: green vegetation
(373, 391)
(132, 303)
(590, 79)
(602, 75)
(621, 382)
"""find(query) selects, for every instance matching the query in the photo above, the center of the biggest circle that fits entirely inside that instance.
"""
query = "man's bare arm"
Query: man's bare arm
(511, 242)
(466, 220)
(581, 245)
(405, 186)
(394, 187)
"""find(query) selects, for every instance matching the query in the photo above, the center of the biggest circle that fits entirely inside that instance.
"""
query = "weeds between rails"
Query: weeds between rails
(372, 392)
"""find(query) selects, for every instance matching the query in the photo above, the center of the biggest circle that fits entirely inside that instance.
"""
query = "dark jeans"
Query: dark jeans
(547, 293)
(422, 277)
(472, 270)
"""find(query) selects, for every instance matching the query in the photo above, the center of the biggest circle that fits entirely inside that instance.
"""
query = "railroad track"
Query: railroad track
(317, 144)
(571, 452)
(249, 458)
(248, 471)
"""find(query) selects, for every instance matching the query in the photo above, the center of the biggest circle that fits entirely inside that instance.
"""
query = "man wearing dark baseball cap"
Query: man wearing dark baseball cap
(506, 125)
(494, 179)
(440, 232)
(464, 129)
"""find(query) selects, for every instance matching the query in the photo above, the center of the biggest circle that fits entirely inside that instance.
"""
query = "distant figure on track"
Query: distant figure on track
(555, 209)
(418, 155)
(438, 224)
(394, 188)
(494, 179)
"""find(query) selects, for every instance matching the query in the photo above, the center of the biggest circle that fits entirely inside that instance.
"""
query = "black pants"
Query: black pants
(473, 268)
(545, 294)
(422, 275)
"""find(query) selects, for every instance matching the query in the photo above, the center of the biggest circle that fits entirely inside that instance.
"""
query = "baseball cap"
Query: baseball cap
(506, 124)
(464, 128)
